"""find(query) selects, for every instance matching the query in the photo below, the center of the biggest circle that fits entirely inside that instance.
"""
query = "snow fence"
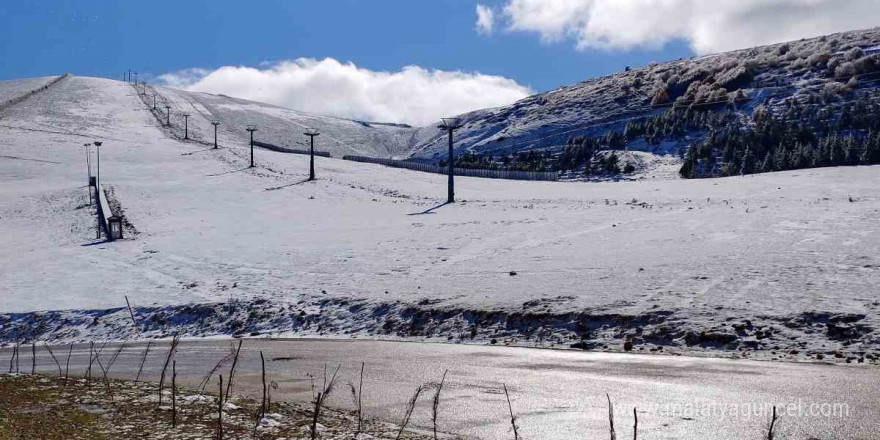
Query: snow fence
(289, 150)
(12, 101)
(468, 172)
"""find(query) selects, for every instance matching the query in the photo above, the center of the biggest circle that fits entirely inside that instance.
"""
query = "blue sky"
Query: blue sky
(101, 37)
(349, 58)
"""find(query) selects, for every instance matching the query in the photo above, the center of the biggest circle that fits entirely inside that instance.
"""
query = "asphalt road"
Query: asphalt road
(554, 394)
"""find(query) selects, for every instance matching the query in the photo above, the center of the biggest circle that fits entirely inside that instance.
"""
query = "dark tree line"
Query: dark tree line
(675, 123)
(804, 132)
(799, 136)
(532, 160)
(581, 152)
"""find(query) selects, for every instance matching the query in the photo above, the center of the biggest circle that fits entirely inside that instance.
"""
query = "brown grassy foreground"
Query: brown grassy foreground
(43, 407)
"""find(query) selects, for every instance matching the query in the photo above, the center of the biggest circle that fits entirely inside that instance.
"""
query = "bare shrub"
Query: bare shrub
(143, 360)
(818, 59)
(845, 70)
(435, 406)
(319, 399)
(661, 97)
(112, 361)
(512, 417)
(58, 364)
(833, 64)
(705, 93)
(174, 394)
(635, 424)
(264, 409)
(753, 63)
(782, 49)
(89, 370)
(854, 54)
(232, 370)
(410, 407)
(726, 65)
(12, 359)
(868, 64)
(833, 90)
(67, 365)
(735, 78)
(220, 410)
(770, 61)
(611, 417)
(220, 364)
(773, 420)
(357, 398)
(798, 64)
(131, 313)
(171, 350)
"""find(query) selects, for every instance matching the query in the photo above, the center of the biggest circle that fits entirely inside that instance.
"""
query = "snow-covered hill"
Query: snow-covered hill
(769, 75)
(825, 67)
(17, 87)
(778, 263)
(276, 125)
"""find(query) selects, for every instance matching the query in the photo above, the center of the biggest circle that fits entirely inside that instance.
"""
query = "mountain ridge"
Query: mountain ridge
(590, 108)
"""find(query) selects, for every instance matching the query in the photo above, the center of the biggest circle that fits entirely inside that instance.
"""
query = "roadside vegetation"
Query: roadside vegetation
(95, 406)
(36, 406)
(44, 407)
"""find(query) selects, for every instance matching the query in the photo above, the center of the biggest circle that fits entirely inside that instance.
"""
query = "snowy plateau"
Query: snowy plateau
(780, 265)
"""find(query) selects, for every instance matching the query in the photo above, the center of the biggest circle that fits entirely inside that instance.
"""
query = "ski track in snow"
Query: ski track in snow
(769, 263)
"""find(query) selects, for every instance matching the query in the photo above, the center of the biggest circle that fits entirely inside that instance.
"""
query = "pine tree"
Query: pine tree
(851, 155)
(871, 148)
(767, 165)
(687, 167)
(816, 159)
(836, 154)
(748, 162)
(779, 158)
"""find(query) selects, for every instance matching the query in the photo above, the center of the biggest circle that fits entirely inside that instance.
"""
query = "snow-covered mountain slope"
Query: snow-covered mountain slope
(829, 67)
(276, 125)
(14, 88)
(783, 260)
(764, 75)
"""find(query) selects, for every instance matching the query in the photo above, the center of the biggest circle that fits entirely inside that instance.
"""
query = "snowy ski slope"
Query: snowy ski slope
(278, 126)
(671, 262)
(16, 87)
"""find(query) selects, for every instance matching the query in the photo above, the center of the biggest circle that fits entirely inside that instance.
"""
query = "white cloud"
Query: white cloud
(183, 78)
(707, 25)
(413, 95)
(485, 19)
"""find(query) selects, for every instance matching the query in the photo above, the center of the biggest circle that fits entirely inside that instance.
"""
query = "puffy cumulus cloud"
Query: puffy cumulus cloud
(413, 95)
(708, 25)
(485, 19)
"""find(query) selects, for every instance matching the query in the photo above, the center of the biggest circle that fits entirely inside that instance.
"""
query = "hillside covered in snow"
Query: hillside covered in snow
(666, 107)
(783, 264)
(275, 125)
(770, 108)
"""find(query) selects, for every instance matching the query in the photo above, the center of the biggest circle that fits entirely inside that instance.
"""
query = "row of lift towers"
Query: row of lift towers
(448, 124)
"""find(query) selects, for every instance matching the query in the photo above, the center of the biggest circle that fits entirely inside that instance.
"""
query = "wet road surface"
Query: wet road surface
(555, 394)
